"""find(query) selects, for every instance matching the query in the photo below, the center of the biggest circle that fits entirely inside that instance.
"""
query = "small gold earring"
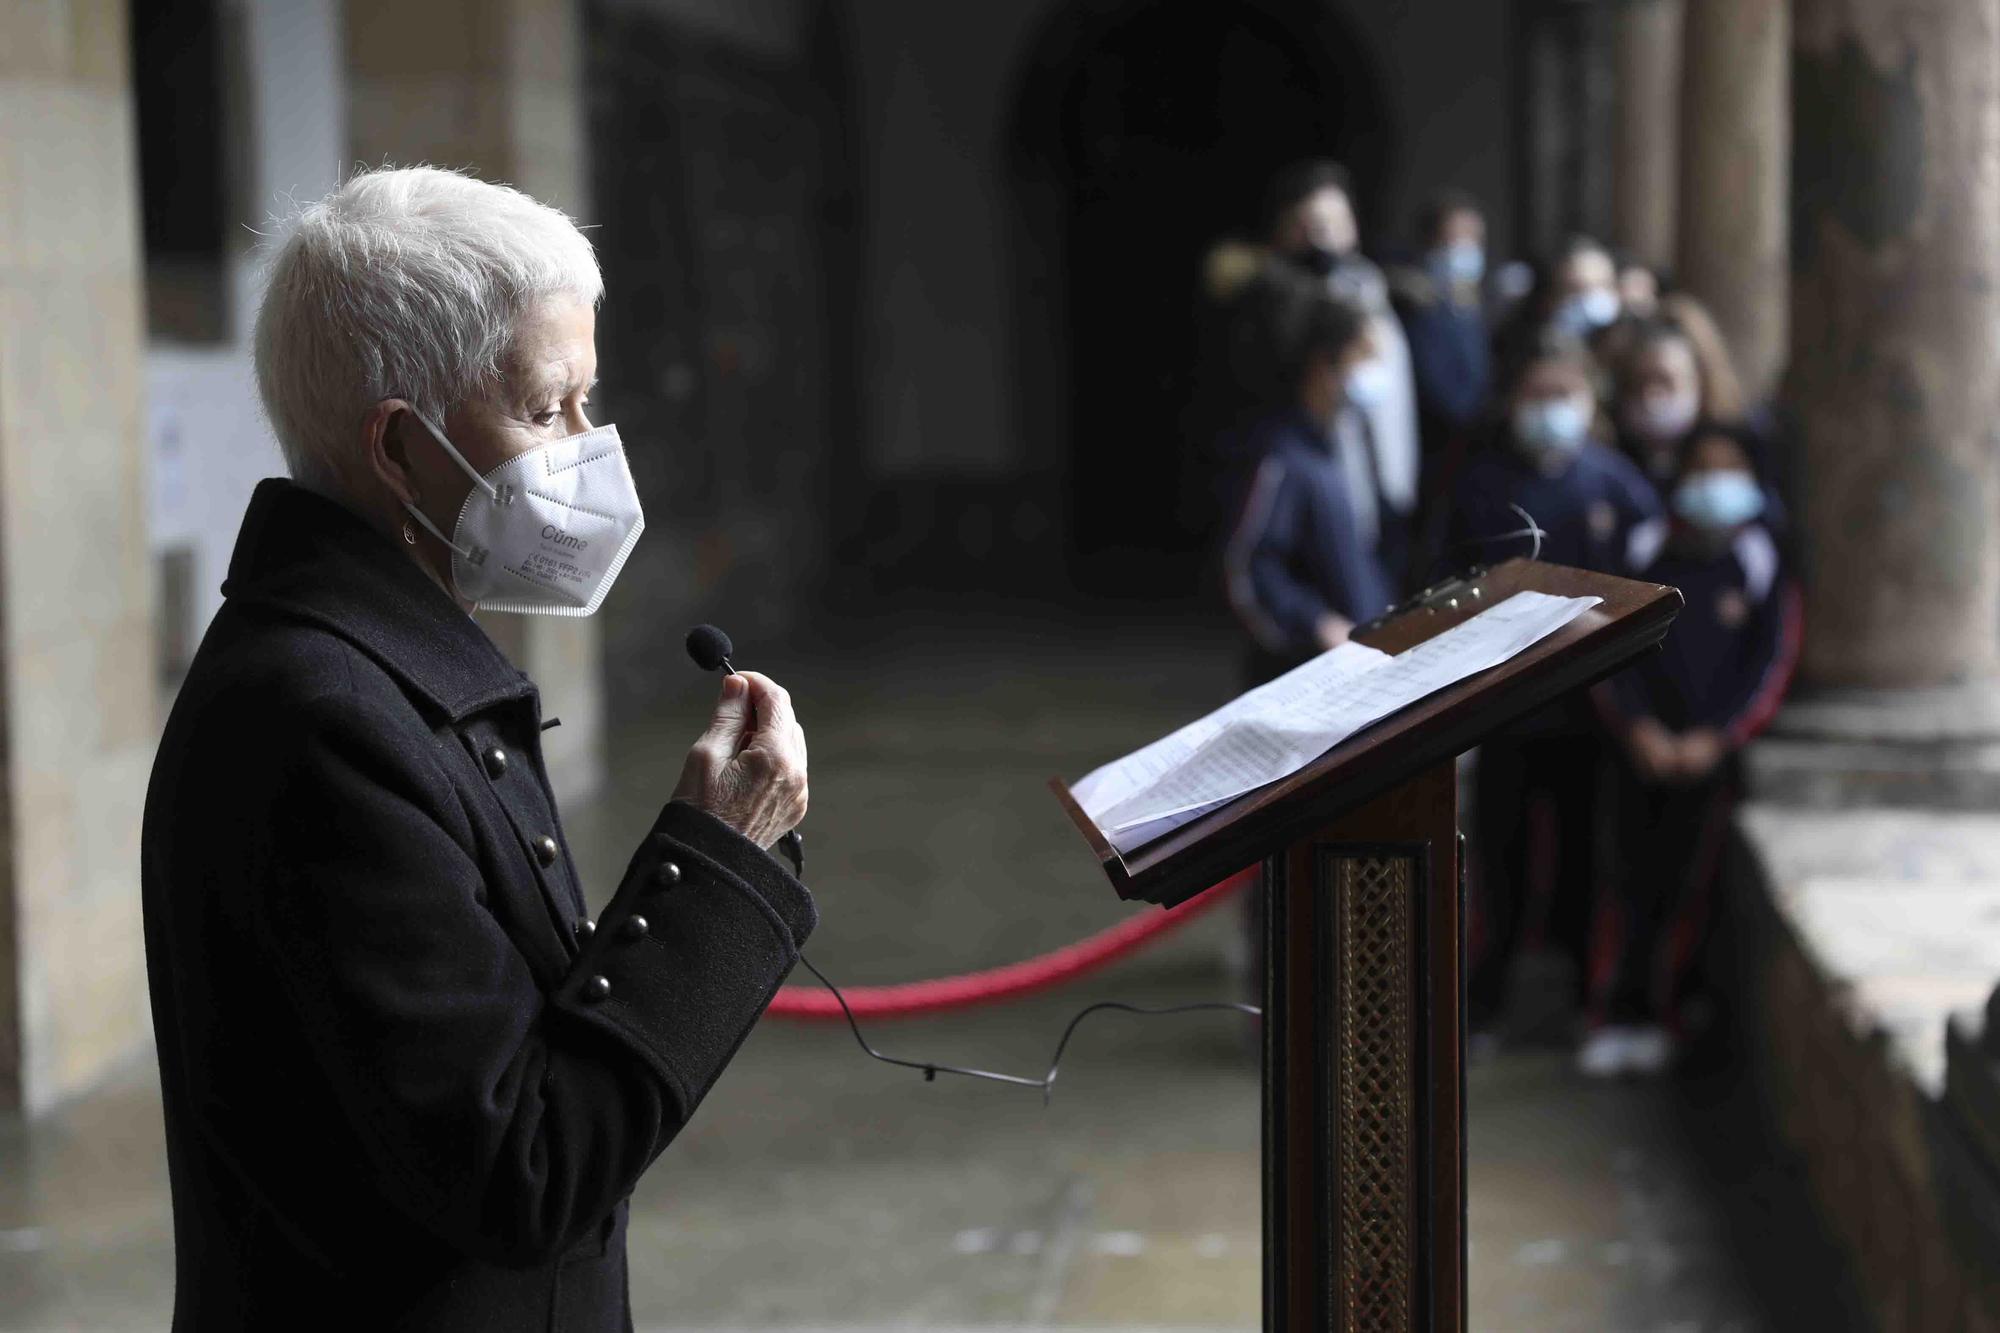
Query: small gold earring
(409, 533)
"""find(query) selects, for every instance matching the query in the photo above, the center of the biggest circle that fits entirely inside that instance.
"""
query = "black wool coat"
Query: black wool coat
(406, 1085)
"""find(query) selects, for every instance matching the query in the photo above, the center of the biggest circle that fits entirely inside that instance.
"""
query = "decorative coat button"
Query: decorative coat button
(667, 875)
(585, 928)
(496, 762)
(597, 988)
(634, 927)
(545, 850)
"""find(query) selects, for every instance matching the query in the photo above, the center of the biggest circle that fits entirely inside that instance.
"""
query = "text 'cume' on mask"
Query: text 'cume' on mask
(1459, 262)
(1587, 312)
(547, 531)
(1718, 500)
(1368, 383)
(1552, 425)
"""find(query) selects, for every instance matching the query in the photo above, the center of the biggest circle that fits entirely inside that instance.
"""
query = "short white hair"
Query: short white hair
(403, 283)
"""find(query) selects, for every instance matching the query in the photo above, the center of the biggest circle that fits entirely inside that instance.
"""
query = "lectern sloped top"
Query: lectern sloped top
(1631, 618)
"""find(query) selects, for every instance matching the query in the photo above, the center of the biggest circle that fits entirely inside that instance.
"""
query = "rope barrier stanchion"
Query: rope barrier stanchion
(1042, 972)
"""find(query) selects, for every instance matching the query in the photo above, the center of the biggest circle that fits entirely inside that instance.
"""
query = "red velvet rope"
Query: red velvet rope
(1041, 972)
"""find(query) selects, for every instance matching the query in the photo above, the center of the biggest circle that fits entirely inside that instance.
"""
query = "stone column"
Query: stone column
(77, 696)
(1646, 158)
(1896, 340)
(1735, 155)
(497, 89)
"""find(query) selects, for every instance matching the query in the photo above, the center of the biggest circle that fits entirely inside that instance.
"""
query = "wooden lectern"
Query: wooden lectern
(1364, 999)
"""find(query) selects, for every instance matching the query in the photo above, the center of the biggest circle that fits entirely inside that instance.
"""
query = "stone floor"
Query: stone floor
(819, 1190)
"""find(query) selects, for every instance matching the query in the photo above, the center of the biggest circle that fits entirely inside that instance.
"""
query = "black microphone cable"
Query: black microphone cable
(930, 1069)
(710, 648)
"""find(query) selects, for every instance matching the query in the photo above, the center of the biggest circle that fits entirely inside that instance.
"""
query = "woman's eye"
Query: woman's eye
(547, 418)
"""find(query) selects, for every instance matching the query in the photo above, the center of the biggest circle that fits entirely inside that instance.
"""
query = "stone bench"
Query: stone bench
(1871, 949)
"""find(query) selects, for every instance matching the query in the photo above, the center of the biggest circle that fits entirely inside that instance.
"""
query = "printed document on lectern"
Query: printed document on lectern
(1280, 727)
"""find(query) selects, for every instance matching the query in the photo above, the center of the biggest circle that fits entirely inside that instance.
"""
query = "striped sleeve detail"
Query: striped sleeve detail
(1770, 692)
(1758, 555)
(1251, 525)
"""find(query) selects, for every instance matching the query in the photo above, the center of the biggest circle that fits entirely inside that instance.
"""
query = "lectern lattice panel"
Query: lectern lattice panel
(1375, 1111)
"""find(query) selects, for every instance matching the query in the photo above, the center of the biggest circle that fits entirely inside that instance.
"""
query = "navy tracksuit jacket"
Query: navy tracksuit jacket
(1535, 798)
(1587, 508)
(1296, 551)
(1729, 654)
(1725, 665)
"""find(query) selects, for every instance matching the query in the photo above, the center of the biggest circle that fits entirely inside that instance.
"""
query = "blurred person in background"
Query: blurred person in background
(1681, 718)
(1300, 566)
(1723, 396)
(1639, 288)
(1546, 454)
(1658, 393)
(1440, 302)
(1575, 294)
(408, 1082)
(1312, 236)
(1535, 783)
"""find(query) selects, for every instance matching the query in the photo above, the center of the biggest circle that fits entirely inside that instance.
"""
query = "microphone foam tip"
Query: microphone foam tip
(708, 646)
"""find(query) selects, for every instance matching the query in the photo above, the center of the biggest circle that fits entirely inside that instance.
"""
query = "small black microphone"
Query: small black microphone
(710, 648)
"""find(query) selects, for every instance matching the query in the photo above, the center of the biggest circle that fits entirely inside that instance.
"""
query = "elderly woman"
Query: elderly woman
(408, 1082)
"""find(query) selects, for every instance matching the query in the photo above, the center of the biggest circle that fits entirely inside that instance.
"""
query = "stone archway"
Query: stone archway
(1143, 131)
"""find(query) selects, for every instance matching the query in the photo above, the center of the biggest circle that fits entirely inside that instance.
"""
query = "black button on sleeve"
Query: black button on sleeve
(546, 850)
(684, 974)
(496, 762)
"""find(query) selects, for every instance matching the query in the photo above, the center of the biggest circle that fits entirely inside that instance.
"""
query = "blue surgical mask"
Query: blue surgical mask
(1368, 383)
(1586, 312)
(1719, 500)
(1552, 425)
(1459, 262)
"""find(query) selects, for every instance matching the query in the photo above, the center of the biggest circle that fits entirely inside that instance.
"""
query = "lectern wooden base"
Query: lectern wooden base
(1364, 1105)
(1364, 1098)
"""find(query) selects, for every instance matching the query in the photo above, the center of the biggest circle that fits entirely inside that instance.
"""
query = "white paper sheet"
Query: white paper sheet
(1279, 728)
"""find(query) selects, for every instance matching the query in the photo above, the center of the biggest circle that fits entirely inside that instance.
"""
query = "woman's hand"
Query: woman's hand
(749, 768)
(1332, 631)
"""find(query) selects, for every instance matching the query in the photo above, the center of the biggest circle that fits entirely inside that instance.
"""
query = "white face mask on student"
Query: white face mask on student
(547, 531)
(1368, 383)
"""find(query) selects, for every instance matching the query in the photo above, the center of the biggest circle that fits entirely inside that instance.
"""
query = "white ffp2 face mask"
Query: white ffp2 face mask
(547, 531)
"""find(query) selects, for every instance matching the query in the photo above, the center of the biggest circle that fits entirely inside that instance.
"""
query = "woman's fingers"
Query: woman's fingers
(732, 718)
(773, 703)
(769, 768)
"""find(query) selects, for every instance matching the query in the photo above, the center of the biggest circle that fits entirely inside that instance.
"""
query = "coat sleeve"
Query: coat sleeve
(508, 1121)
(1279, 608)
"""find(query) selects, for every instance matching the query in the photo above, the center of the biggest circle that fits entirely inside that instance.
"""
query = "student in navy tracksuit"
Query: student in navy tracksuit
(1441, 303)
(1535, 788)
(1299, 567)
(1682, 716)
